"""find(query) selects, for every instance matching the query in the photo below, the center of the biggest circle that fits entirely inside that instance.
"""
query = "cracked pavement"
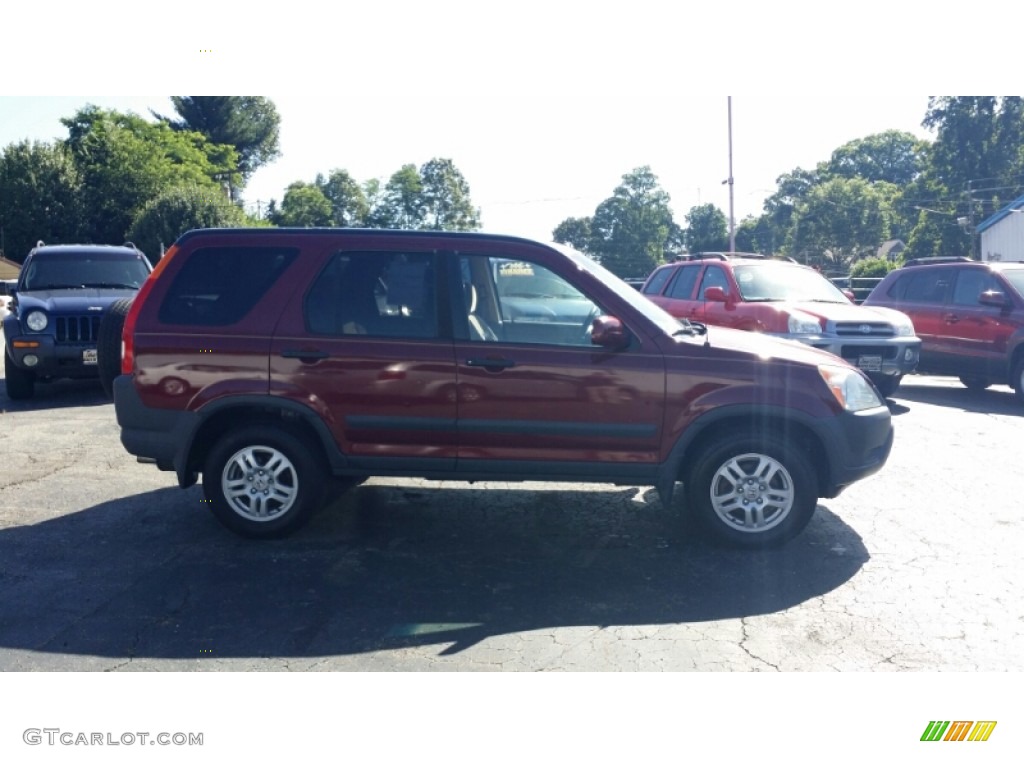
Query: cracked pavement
(106, 565)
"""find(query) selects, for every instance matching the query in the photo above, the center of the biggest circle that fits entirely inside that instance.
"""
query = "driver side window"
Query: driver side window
(516, 301)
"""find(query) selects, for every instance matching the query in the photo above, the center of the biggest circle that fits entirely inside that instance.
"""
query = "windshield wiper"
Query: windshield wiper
(690, 328)
(110, 285)
(53, 287)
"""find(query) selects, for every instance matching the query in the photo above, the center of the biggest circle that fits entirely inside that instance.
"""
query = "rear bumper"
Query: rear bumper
(153, 434)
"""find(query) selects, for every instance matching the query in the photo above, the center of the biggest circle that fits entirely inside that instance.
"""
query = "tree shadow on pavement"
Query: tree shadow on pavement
(388, 566)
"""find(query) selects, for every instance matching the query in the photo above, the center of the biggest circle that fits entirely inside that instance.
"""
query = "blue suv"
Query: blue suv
(62, 293)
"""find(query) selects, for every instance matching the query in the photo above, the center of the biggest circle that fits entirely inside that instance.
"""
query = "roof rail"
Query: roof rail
(935, 260)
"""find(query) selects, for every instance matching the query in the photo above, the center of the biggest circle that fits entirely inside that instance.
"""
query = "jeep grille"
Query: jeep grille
(85, 328)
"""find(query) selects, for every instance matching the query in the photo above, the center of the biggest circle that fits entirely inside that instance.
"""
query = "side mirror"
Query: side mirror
(609, 333)
(994, 299)
(716, 293)
(850, 295)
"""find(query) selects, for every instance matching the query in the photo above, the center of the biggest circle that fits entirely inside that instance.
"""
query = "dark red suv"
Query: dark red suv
(273, 360)
(969, 315)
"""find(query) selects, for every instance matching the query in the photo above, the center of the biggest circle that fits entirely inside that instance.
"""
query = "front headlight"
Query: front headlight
(905, 328)
(849, 387)
(803, 324)
(35, 320)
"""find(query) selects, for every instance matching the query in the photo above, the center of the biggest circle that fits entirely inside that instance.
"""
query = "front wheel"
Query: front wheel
(263, 482)
(751, 492)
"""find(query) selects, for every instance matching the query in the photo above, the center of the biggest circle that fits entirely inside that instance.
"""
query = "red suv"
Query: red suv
(969, 315)
(751, 292)
(272, 360)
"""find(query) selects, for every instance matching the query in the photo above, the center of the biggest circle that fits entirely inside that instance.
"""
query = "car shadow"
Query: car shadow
(994, 400)
(62, 393)
(385, 567)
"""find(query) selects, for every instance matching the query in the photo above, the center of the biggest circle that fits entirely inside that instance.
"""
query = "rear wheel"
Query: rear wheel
(975, 383)
(1018, 378)
(263, 482)
(108, 345)
(751, 492)
(21, 384)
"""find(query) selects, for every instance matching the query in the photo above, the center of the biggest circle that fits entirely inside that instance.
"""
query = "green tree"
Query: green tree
(175, 211)
(574, 232)
(124, 161)
(630, 230)
(400, 204)
(876, 266)
(893, 156)
(40, 193)
(841, 220)
(304, 205)
(445, 198)
(349, 206)
(250, 124)
(706, 229)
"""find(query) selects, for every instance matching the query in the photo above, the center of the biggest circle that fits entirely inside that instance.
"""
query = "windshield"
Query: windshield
(778, 281)
(52, 271)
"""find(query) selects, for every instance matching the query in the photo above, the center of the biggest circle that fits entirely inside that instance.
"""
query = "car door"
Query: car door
(532, 387)
(922, 294)
(367, 347)
(977, 334)
(714, 312)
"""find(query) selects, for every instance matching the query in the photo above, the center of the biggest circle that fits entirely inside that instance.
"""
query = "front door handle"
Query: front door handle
(305, 355)
(951, 318)
(491, 363)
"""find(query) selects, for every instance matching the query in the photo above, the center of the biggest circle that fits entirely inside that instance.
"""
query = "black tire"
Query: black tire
(108, 344)
(282, 463)
(1018, 378)
(21, 384)
(975, 383)
(752, 478)
(887, 385)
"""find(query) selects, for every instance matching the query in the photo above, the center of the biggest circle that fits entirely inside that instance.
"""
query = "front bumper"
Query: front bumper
(893, 356)
(47, 358)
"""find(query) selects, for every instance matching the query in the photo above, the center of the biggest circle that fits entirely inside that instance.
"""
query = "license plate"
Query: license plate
(870, 363)
(89, 357)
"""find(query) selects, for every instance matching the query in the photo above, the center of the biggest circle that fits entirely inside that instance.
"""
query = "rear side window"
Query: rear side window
(927, 286)
(686, 278)
(374, 294)
(220, 286)
(657, 282)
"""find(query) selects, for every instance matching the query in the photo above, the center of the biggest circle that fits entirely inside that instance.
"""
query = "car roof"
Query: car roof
(84, 248)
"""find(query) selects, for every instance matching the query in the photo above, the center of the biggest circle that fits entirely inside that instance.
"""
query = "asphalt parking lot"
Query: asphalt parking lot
(106, 565)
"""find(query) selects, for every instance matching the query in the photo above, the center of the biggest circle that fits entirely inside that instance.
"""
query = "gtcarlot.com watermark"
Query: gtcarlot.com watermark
(57, 737)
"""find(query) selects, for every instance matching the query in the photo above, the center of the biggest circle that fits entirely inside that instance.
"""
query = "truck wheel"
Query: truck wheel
(751, 492)
(21, 384)
(975, 383)
(108, 344)
(263, 482)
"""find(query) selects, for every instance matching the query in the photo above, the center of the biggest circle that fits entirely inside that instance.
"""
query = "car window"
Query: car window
(971, 283)
(374, 294)
(220, 286)
(714, 277)
(497, 307)
(47, 271)
(657, 282)
(682, 286)
(927, 286)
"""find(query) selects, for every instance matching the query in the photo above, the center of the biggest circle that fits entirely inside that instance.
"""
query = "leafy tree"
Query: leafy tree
(893, 156)
(175, 211)
(445, 198)
(401, 201)
(349, 206)
(707, 229)
(124, 161)
(758, 235)
(304, 205)
(40, 192)
(840, 220)
(574, 232)
(630, 230)
(250, 124)
(876, 266)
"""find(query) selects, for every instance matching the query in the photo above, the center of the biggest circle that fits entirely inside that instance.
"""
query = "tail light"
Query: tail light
(128, 332)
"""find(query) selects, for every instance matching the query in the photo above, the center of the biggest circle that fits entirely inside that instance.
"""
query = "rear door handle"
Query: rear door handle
(952, 318)
(491, 363)
(305, 355)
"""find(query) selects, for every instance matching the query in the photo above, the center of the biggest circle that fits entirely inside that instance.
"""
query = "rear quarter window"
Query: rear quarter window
(220, 286)
(657, 282)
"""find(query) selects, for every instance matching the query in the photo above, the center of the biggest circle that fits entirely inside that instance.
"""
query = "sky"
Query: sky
(531, 166)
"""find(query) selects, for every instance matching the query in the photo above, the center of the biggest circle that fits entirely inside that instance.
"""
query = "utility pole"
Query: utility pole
(732, 218)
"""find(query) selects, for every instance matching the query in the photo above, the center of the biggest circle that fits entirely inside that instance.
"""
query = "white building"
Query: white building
(1002, 233)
